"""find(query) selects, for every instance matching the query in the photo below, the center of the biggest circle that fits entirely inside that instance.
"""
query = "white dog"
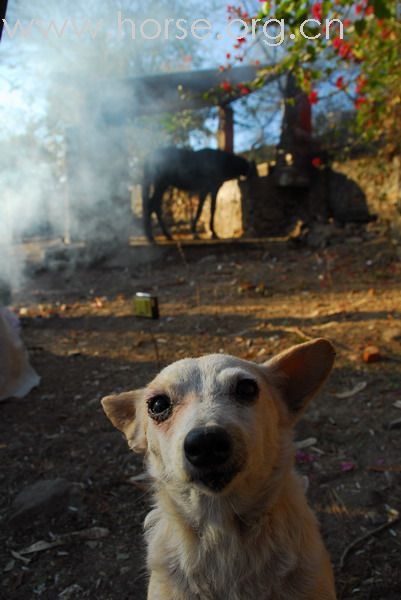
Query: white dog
(230, 519)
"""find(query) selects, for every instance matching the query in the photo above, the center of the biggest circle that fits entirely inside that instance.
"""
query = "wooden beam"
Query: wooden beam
(225, 132)
(118, 100)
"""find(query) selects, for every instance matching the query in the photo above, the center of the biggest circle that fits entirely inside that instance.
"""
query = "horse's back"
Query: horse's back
(191, 170)
(168, 161)
(223, 165)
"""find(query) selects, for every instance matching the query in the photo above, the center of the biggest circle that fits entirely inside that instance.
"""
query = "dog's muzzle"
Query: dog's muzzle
(209, 450)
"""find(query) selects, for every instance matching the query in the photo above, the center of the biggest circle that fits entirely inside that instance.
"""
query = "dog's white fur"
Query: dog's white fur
(256, 538)
(17, 376)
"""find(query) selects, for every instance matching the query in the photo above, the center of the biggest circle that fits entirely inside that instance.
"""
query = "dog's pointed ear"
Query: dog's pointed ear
(300, 372)
(127, 413)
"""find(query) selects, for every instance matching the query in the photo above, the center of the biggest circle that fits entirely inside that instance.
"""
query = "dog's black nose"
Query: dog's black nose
(207, 446)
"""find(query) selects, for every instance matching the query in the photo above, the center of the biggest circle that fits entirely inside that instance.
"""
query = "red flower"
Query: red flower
(369, 10)
(244, 89)
(241, 40)
(340, 82)
(358, 9)
(347, 22)
(317, 162)
(304, 457)
(359, 102)
(257, 62)
(347, 466)
(313, 97)
(228, 56)
(345, 50)
(360, 84)
(317, 11)
(226, 86)
(337, 43)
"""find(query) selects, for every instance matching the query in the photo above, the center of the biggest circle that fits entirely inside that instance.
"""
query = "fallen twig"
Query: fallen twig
(364, 537)
(339, 506)
(307, 337)
(298, 332)
(385, 468)
(355, 390)
(93, 533)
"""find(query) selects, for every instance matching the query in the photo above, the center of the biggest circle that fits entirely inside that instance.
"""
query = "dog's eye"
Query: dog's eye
(159, 407)
(246, 390)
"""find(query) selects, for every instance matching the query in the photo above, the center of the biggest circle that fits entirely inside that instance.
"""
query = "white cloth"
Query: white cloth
(17, 376)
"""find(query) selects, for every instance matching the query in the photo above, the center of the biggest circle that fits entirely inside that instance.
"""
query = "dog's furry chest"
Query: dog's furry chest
(213, 565)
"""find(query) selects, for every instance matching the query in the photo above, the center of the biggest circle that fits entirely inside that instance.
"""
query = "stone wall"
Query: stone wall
(272, 210)
(262, 208)
(380, 183)
(350, 191)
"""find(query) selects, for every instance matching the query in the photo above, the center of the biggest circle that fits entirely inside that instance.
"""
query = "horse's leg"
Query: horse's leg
(147, 209)
(147, 221)
(164, 229)
(157, 209)
(202, 198)
(212, 213)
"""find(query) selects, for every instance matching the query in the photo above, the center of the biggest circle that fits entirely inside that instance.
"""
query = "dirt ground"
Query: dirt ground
(251, 300)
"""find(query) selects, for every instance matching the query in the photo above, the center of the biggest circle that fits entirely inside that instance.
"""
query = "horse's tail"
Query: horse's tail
(146, 203)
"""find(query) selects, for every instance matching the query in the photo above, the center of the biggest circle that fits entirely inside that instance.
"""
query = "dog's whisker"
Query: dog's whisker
(237, 514)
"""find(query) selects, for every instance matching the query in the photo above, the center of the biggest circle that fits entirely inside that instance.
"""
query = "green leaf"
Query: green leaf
(360, 26)
(381, 9)
(300, 16)
(311, 51)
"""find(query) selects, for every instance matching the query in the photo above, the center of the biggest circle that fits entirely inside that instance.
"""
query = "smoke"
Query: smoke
(64, 168)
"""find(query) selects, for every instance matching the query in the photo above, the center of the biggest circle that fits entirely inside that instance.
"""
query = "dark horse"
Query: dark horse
(202, 172)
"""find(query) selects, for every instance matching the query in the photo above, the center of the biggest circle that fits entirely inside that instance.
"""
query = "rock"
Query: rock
(321, 235)
(396, 424)
(299, 233)
(355, 239)
(210, 258)
(392, 335)
(44, 499)
(371, 354)
(347, 200)
(73, 591)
